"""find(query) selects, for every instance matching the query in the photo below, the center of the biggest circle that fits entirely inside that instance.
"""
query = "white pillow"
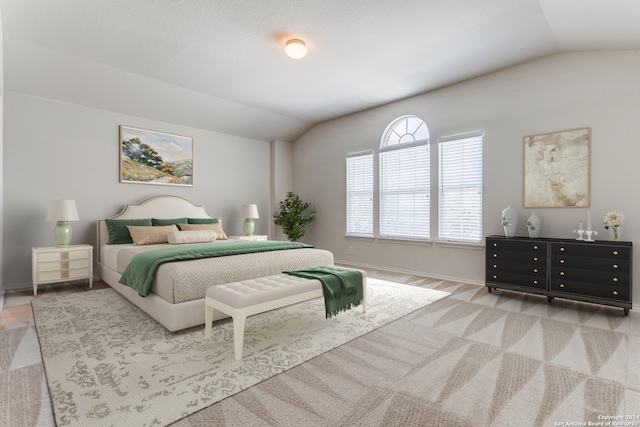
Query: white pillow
(191, 236)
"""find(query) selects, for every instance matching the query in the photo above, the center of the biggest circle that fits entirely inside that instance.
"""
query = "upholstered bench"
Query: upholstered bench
(248, 297)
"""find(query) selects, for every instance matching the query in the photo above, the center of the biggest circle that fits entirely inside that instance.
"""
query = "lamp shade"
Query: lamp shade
(62, 210)
(249, 211)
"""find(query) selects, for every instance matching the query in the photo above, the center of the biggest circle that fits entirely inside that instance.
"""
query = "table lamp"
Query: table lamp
(249, 212)
(62, 211)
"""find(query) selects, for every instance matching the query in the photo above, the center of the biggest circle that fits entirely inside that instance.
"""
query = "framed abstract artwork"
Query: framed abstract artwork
(557, 169)
(150, 157)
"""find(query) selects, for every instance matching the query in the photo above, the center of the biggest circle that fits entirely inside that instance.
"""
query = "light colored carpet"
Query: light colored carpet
(108, 363)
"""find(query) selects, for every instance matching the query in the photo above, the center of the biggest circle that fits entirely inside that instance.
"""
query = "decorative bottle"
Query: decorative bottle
(509, 221)
(533, 225)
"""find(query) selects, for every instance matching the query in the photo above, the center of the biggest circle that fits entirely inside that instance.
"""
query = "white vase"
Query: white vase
(533, 225)
(509, 221)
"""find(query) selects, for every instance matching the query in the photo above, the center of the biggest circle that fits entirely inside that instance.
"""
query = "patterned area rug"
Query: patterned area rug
(108, 363)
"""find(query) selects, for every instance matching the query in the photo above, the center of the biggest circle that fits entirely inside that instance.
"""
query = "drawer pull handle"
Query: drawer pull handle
(495, 255)
(562, 273)
(615, 279)
(615, 252)
(615, 265)
(535, 258)
(495, 244)
(535, 270)
(561, 261)
(495, 276)
(615, 292)
(535, 282)
(495, 265)
(561, 249)
(562, 285)
(535, 247)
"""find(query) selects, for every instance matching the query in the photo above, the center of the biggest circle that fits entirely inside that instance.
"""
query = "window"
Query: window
(405, 180)
(360, 194)
(460, 188)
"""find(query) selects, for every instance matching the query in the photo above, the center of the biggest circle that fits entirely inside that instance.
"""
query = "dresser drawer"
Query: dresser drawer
(582, 289)
(534, 269)
(598, 264)
(529, 246)
(591, 276)
(591, 251)
(531, 281)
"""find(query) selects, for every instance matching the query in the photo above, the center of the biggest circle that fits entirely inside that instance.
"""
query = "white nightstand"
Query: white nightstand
(254, 237)
(52, 264)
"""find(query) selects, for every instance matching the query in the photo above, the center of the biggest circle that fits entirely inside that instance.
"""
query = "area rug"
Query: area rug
(109, 364)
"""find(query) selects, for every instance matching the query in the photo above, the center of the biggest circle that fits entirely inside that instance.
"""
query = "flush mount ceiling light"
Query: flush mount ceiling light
(295, 49)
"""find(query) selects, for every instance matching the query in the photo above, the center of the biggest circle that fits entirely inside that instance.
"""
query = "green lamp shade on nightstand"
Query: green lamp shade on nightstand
(62, 211)
(249, 212)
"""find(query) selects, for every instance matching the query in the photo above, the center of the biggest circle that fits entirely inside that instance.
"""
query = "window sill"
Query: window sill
(420, 242)
(460, 245)
(357, 237)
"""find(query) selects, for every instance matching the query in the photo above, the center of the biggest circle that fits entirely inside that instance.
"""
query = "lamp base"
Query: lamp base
(62, 234)
(249, 226)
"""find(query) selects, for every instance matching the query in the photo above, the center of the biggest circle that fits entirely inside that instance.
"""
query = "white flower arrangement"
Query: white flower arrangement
(613, 220)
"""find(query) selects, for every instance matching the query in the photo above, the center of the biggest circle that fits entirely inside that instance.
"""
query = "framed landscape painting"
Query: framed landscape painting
(556, 169)
(150, 157)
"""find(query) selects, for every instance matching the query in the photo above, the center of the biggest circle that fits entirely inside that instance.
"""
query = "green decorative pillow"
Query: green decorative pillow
(118, 231)
(201, 221)
(176, 221)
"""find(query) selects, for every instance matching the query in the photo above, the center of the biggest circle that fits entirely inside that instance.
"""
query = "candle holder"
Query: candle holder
(580, 233)
(590, 234)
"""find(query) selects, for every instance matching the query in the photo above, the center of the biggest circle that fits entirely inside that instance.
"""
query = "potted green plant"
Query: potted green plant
(293, 214)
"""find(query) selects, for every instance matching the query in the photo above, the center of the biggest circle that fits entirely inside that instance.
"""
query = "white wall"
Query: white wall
(600, 90)
(54, 149)
(281, 181)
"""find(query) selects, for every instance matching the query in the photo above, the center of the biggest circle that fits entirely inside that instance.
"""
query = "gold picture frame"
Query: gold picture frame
(557, 169)
(151, 157)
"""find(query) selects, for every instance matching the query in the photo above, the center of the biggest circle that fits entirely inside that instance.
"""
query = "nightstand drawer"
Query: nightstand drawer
(63, 256)
(58, 275)
(62, 265)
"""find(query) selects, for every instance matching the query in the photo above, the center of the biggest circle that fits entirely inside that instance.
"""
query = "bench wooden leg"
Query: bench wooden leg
(238, 336)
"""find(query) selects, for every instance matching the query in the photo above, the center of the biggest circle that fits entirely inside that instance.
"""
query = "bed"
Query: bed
(176, 299)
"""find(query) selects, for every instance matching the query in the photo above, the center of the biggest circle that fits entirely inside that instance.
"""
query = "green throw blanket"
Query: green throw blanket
(342, 288)
(141, 270)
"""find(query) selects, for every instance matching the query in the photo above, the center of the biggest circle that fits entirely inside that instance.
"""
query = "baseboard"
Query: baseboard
(414, 273)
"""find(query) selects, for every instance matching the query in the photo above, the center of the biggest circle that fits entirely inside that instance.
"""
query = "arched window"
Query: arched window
(405, 187)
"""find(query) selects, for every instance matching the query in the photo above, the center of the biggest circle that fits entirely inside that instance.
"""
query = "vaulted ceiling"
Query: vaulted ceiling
(219, 64)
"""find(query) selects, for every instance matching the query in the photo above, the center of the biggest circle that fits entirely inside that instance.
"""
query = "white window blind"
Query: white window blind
(360, 194)
(460, 188)
(404, 191)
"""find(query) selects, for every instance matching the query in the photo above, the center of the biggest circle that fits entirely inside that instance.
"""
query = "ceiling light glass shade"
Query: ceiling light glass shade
(295, 49)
